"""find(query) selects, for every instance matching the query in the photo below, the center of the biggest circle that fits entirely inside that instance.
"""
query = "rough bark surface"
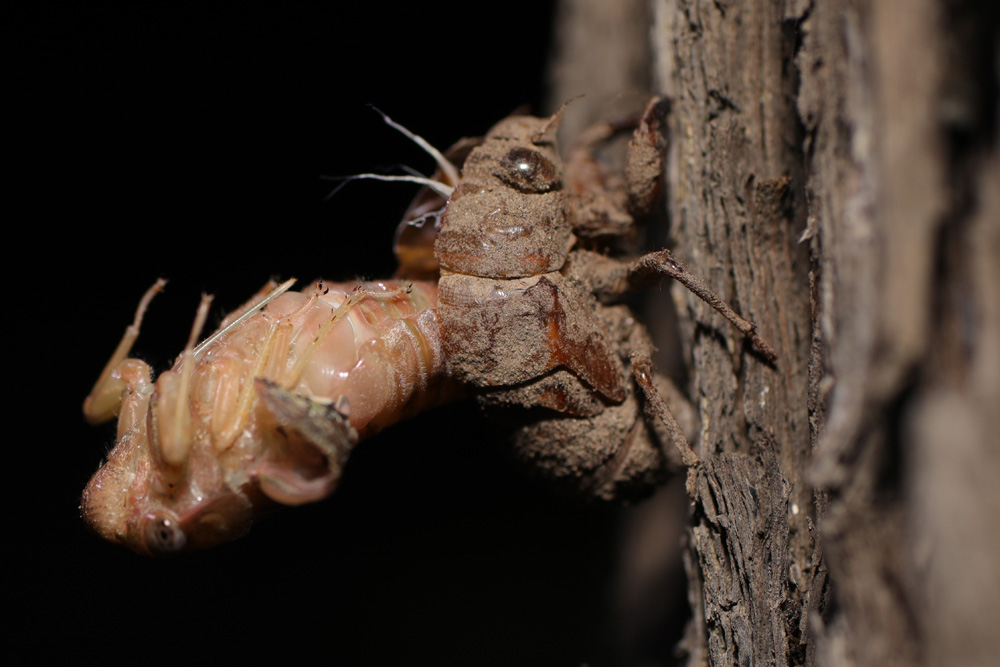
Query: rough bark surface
(835, 175)
(901, 118)
(737, 211)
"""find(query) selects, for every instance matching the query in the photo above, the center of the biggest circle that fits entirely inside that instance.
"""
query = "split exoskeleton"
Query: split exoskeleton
(527, 287)
(515, 306)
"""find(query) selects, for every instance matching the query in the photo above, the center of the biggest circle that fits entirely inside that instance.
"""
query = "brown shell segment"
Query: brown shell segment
(502, 233)
(508, 332)
(507, 218)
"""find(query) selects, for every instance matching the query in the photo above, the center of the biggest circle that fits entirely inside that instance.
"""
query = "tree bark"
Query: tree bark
(900, 115)
(737, 211)
(835, 175)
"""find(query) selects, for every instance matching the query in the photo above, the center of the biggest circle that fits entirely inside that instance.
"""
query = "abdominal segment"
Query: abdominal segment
(373, 347)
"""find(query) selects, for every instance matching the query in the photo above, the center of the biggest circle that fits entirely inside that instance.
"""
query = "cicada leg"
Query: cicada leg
(121, 375)
(651, 267)
(658, 412)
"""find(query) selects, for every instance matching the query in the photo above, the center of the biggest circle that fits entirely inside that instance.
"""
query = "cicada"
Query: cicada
(508, 292)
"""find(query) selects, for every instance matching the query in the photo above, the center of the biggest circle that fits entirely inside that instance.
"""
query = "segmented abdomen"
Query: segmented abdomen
(377, 345)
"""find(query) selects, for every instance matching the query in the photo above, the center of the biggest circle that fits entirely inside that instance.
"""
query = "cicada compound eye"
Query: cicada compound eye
(164, 536)
(528, 170)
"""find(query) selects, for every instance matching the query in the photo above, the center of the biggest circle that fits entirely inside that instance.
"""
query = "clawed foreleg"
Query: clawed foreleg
(656, 410)
(655, 265)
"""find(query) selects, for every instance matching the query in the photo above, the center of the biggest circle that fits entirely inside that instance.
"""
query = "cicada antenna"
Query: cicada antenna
(547, 133)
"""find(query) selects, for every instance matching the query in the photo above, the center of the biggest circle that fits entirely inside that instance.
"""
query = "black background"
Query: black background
(188, 144)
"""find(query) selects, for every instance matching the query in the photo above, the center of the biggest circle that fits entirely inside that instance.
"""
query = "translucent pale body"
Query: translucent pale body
(376, 355)
(198, 450)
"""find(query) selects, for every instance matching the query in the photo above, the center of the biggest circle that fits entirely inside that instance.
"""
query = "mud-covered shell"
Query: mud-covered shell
(613, 455)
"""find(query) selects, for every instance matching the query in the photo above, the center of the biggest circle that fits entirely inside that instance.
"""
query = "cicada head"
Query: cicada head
(120, 506)
(137, 501)
(173, 483)
(212, 443)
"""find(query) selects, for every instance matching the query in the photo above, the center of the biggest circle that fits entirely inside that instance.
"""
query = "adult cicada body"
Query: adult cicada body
(263, 412)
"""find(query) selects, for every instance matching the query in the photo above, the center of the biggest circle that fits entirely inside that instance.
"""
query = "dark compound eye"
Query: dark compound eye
(164, 536)
(527, 170)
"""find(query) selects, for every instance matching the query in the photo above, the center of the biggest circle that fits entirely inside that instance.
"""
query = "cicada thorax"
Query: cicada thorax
(542, 353)
(507, 315)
